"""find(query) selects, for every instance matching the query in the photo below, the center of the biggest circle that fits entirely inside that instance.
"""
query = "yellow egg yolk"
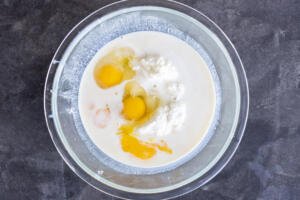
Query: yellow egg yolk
(163, 147)
(114, 68)
(108, 76)
(133, 108)
(140, 149)
(134, 146)
(135, 99)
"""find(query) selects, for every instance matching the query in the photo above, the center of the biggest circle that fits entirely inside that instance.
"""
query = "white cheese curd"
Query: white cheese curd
(160, 77)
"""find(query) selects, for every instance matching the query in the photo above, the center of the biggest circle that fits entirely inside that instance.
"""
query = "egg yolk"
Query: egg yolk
(140, 149)
(163, 147)
(114, 68)
(133, 108)
(134, 95)
(108, 76)
(136, 147)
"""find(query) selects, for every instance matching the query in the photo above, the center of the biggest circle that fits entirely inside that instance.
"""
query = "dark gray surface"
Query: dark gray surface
(266, 33)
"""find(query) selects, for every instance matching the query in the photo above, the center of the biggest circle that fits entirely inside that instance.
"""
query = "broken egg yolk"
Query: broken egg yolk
(133, 108)
(138, 108)
(140, 149)
(114, 68)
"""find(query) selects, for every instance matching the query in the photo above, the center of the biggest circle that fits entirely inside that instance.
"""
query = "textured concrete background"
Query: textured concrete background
(267, 36)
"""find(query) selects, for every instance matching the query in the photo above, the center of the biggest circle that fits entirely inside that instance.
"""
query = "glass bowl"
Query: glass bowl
(79, 47)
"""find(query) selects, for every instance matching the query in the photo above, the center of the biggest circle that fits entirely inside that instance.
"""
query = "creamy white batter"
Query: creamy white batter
(197, 99)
